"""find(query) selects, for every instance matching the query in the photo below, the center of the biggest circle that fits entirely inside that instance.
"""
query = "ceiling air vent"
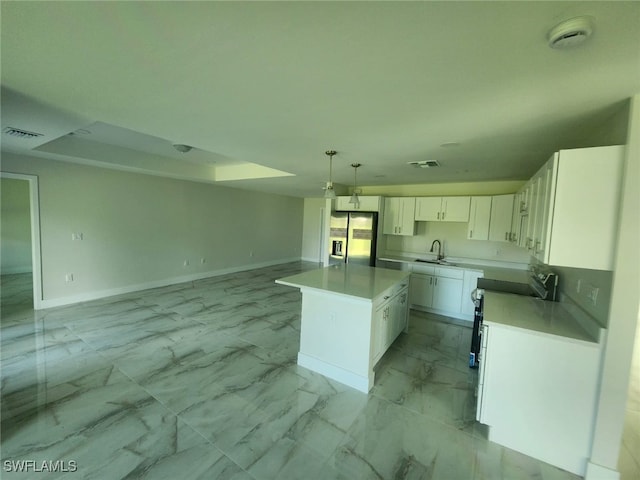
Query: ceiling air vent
(16, 132)
(425, 164)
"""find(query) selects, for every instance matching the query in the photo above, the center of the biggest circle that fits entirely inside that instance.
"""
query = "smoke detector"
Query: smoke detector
(182, 148)
(18, 132)
(571, 32)
(425, 164)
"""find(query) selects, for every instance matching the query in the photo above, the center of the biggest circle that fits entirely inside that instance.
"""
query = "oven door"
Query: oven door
(474, 353)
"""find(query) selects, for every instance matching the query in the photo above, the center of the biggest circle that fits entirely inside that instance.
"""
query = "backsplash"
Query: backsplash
(453, 236)
(578, 284)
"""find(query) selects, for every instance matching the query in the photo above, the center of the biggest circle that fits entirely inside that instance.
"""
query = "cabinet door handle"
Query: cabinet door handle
(430, 280)
(438, 215)
(443, 214)
(506, 235)
(436, 281)
(470, 233)
(387, 297)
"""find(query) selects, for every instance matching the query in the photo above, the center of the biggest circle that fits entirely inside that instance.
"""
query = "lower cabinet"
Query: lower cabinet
(534, 387)
(438, 289)
(390, 318)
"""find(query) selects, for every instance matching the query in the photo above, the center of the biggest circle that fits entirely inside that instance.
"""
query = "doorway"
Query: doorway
(32, 216)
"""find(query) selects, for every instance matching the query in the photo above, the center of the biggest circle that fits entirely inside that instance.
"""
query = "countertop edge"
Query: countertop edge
(580, 335)
(371, 296)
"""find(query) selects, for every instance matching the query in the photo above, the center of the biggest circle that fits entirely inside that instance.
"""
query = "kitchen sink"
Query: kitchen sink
(435, 262)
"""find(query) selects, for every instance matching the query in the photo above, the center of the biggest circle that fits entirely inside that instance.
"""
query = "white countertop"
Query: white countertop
(529, 313)
(352, 280)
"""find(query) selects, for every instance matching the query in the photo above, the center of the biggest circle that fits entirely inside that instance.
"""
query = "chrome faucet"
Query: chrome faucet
(440, 256)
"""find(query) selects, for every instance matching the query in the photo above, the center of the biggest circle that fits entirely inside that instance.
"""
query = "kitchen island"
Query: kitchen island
(350, 316)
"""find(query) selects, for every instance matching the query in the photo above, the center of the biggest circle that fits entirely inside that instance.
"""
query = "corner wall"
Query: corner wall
(624, 317)
(139, 230)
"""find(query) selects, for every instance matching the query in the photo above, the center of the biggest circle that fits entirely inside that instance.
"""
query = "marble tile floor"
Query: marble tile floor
(199, 380)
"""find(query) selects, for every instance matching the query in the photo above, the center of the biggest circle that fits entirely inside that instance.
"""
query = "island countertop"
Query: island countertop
(350, 280)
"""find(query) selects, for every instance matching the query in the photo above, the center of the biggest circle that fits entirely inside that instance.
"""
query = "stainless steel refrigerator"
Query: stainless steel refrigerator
(352, 238)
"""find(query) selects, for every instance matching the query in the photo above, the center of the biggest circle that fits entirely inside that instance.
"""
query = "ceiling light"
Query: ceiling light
(570, 32)
(182, 148)
(329, 192)
(354, 197)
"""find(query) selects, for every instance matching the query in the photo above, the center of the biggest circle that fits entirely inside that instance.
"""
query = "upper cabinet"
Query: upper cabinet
(501, 216)
(442, 209)
(365, 204)
(579, 194)
(479, 218)
(399, 214)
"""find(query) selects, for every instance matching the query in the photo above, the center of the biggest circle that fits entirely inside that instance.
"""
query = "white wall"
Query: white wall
(15, 227)
(138, 230)
(312, 229)
(624, 315)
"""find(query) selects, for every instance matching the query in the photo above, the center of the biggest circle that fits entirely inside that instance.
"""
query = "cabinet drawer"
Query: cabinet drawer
(390, 293)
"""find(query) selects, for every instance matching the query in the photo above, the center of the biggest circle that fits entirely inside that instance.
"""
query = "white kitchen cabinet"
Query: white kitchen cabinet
(447, 294)
(421, 292)
(501, 216)
(581, 211)
(428, 209)
(544, 178)
(399, 216)
(389, 320)
(442, 209)
(524, 196)
(365, 204)
(437, 288)
(515, 218)
(535, 387)
(479, 218)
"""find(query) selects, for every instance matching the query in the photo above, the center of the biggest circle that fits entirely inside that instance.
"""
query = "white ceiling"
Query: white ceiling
(252, 84)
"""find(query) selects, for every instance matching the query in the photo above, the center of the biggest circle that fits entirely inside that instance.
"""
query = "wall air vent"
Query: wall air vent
(17, 132)
(425, 164)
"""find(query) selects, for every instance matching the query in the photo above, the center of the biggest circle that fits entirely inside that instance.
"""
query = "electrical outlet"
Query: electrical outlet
(185, 263)
(68, 277)
(77, 236)
(203, 260)
(251, 253)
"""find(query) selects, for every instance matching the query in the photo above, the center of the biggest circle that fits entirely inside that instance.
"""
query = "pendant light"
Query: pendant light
(354, 197)
(329, 192)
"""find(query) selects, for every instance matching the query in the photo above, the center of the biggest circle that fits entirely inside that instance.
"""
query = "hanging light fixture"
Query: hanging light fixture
(329, 192)
(354, 196)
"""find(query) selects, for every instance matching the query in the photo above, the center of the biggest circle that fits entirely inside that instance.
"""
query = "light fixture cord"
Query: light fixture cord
(330, 168)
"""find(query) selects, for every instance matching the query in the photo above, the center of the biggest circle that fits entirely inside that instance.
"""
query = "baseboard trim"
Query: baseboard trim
(98, 294)
(14, 270)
